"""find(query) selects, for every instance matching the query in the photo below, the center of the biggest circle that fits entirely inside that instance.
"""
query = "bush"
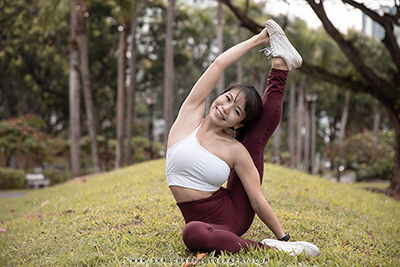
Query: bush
(369, 161)
(57, 176)
(143, 149)
(12, 178)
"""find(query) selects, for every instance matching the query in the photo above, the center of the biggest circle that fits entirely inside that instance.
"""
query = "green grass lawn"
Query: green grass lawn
(128, 217)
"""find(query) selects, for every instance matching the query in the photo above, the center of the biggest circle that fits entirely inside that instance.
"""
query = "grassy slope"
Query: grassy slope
(130, 214)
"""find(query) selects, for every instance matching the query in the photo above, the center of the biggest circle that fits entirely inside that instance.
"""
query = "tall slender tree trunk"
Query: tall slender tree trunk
(377, 122)
(343, 122)
(239, 63)
(130, 105)
(291, 134)
(121, 94)
(74, 94)
(394, 187)
(300, 123)
(277, 144)
(84, 46)
(169, 71)
(220, 41)
(307, 124)
(342, 132)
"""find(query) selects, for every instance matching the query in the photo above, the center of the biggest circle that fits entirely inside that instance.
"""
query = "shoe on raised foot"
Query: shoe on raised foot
(280, 46)
(293, 248)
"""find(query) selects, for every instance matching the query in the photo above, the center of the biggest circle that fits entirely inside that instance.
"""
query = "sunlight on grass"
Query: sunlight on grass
(128, 217)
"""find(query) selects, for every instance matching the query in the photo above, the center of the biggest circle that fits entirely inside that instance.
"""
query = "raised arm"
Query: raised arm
(209, 79)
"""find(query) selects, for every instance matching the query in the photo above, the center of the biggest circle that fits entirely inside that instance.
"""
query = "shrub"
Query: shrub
(57, 176)
(12, 178)
(143, 149)
(369, 161)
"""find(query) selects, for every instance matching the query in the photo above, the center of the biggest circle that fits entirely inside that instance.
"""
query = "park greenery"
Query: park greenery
(35, 126)
(113, 218)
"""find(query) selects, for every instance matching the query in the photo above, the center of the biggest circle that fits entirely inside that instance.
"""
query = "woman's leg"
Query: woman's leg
(207, 237)
(255, 141)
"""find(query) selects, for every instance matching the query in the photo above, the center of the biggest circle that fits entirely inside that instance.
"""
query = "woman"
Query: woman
(202, 153)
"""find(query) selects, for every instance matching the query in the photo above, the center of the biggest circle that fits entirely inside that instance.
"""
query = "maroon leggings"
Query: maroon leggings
(217, 222)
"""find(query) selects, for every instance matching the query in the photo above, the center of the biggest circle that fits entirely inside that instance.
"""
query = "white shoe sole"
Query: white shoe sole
(281, 45)
(293, 248)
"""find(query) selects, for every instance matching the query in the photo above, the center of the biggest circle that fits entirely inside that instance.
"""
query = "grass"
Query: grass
(128, 217)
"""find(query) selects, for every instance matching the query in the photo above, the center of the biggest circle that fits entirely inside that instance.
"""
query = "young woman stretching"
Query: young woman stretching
(201, 155)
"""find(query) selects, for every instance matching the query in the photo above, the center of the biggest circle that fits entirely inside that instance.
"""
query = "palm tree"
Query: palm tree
(74, 93)
(84, 47)
(130, 96)
(168, 70)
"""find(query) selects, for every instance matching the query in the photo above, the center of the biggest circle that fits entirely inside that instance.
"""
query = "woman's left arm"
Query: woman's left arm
(250, 179)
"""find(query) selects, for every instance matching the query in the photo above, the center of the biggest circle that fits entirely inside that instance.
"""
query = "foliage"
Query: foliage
(112, 218)
(368, 160)
(25, 135)
(142, 150)
(11, 178)
(57, 176)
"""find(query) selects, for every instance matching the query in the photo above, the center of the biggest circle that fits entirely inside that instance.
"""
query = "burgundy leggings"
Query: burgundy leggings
(217, 222)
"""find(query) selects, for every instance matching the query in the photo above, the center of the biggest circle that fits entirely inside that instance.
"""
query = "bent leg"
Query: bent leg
(200, 236)
(255, 141)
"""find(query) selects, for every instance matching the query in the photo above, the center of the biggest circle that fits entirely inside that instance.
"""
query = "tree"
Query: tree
(382, 85)
(124, 10)
(84, 49)
(74, 93)
(130, 96)
(169, 70)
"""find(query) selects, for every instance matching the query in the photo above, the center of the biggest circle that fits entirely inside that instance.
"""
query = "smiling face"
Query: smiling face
(228, 110)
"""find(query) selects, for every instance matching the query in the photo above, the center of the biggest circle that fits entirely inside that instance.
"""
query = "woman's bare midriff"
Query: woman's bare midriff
(182, 194)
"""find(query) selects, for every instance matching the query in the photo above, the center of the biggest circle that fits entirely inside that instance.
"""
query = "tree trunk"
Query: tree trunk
(307, 139)
(220, 40)
(394, 187)
(130, 107)
(74, 94)
(300, 123)
(377, 122)
(169, 71)
(292, 103)
(343, 122)
(239, 63)
(121, 94)
(277, 144)
(84, 46)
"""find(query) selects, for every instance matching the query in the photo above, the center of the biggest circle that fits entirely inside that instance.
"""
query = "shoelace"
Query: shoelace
(268, 51)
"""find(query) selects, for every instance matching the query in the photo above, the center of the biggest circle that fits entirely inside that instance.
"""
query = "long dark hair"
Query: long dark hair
(253, 106)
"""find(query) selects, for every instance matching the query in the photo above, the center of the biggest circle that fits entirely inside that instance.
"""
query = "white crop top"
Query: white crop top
(190, 165)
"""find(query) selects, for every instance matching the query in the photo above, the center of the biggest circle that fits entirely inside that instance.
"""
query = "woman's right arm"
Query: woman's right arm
(192, 109)
(209, 79)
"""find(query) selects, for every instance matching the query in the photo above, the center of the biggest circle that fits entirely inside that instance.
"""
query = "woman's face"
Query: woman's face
(228, 109)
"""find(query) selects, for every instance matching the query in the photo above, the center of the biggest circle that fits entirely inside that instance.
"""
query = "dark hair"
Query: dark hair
(253, 106)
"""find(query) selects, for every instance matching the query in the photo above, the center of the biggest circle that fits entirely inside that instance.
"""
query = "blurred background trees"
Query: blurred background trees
(331, 116)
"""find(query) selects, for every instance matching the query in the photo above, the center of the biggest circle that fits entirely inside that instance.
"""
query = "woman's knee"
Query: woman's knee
(195, 234)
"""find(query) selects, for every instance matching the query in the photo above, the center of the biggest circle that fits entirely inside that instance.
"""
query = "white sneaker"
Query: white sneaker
(293, 248)
(280, 46)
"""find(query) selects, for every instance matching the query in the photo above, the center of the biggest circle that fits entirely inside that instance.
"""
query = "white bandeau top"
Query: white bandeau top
(190, 165)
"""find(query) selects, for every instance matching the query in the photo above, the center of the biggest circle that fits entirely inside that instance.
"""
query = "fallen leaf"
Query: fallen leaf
(66, 211)
(44, 203)
(370, 235)
(3, 231)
